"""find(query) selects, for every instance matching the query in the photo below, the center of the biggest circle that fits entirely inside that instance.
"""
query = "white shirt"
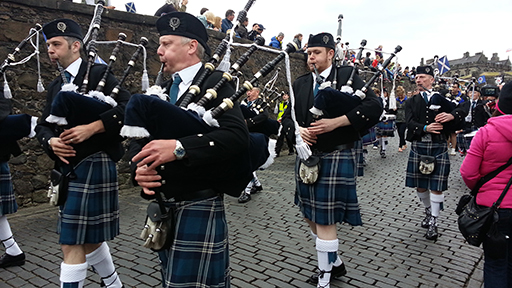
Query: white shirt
(73, 68)
(187, 76)
(324, 74)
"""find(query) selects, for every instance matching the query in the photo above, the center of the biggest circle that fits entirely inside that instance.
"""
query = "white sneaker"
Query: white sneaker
(452, 152)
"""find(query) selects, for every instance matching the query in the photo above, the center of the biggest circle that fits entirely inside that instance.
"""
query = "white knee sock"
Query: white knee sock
(325, 249)
(436, 202)
(249, 187)
(73, 274)
(424, 198)
(101, 260)
(383, 142)
(11, 247)
(314, 236)
(255, 179)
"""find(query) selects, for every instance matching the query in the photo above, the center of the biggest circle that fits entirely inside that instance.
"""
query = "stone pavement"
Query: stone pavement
(270, 243)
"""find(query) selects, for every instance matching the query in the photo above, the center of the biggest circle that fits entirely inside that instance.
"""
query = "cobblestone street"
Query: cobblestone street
(270, 244)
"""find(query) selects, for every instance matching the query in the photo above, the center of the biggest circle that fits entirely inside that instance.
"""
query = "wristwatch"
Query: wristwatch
(179, 151)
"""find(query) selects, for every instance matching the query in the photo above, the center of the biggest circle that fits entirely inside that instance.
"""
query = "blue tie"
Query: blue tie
(175, 89)
(68, 76)
(317, 85)
(425, 96)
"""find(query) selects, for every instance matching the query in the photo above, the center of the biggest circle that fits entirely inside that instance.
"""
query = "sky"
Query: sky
(422, 28)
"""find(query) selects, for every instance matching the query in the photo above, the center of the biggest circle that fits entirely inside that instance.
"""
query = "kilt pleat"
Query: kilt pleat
(199, 256)
(358, 146)
(91, 211)
(8, 203)
(332, 198)
(438, 179)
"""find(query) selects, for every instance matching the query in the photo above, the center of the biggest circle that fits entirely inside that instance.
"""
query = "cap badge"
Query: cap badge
(325, 39)
(61, 26)
(174, 23)
(427, 70)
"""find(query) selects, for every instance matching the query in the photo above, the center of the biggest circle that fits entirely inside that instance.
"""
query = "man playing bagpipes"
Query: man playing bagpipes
(12, 128)
(332, 198)
(86, 155)
(199, 167)
(430, 120)
(255, 111)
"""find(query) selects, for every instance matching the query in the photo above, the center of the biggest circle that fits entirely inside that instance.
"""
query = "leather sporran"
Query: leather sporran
(58, 191)
(158, 231)
(427, 164)
(309, 169)
(475, 221)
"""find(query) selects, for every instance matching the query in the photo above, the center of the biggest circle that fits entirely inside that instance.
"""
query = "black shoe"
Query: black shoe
(244, 198)
(425, 222)
(432, 230)
(256, 189)
(382, 154)
(336, 272)
(8, 261)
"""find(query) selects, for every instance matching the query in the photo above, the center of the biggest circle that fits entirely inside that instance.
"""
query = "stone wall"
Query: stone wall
(31, 169)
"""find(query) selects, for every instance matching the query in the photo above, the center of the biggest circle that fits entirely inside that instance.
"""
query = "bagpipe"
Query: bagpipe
(70, 108)
(332, 103)
(15, 127)
(149, 116)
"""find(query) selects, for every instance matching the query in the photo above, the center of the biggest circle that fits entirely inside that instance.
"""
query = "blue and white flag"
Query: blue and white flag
(130, 7)
(443, 65)
(481, 79)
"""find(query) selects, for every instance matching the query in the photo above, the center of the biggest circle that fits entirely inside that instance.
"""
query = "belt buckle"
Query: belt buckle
(426, 138)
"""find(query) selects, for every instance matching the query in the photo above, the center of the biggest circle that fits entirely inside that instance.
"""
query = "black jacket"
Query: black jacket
(108, 141)
(7, 148)
(362, 117)
(417, 115)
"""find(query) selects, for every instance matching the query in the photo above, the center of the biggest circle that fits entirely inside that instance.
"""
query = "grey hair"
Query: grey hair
(280, 34)
(200, 49)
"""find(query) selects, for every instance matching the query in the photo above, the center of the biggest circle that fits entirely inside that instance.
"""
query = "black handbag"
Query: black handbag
(159, 228)
(475, 221)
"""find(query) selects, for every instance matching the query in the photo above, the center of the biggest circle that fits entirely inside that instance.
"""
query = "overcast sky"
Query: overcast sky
(422, 28)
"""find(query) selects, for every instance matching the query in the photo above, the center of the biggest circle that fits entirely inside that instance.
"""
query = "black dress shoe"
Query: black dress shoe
(244, 198)
(335, 273)
(8, 261)
(256, 189)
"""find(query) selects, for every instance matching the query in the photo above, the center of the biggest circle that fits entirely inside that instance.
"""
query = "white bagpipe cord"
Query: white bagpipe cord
(392, 96)
(40, 86)
(302, 148)
(145, 78)
(225, 63)
(7, 90)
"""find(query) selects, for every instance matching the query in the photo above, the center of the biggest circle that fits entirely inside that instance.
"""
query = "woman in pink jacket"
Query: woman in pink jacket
(491, 148)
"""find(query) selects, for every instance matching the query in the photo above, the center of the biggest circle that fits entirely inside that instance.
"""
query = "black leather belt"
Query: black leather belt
(335, 148)
(196, 195)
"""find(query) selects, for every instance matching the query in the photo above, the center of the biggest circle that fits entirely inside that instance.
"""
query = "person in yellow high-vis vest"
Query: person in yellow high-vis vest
(287, 131)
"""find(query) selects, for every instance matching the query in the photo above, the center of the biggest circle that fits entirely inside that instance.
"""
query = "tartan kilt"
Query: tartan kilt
(8, 203)
(91, 211)
(358, 146)
(332, 198)
(199, 255)
(370, 138)
(438, 180)
(463, 143)
(385, 128)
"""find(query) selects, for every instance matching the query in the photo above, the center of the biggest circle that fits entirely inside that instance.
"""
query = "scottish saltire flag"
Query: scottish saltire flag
(98, 60)
(481, 79)
(130, 7)
(443, 65)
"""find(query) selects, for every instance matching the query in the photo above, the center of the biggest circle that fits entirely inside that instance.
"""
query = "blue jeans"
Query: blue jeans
(498, 272)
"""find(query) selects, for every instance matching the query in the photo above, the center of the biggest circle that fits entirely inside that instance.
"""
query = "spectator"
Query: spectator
(401, 125)
(166, 9)
(226, 22)
(257, 29)
(368, 60)
(297, 39)
(241, 29)
(203, 10)
(210, 20)
(378, 51)
(217, 25)
(490, 148)
(277, 41)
